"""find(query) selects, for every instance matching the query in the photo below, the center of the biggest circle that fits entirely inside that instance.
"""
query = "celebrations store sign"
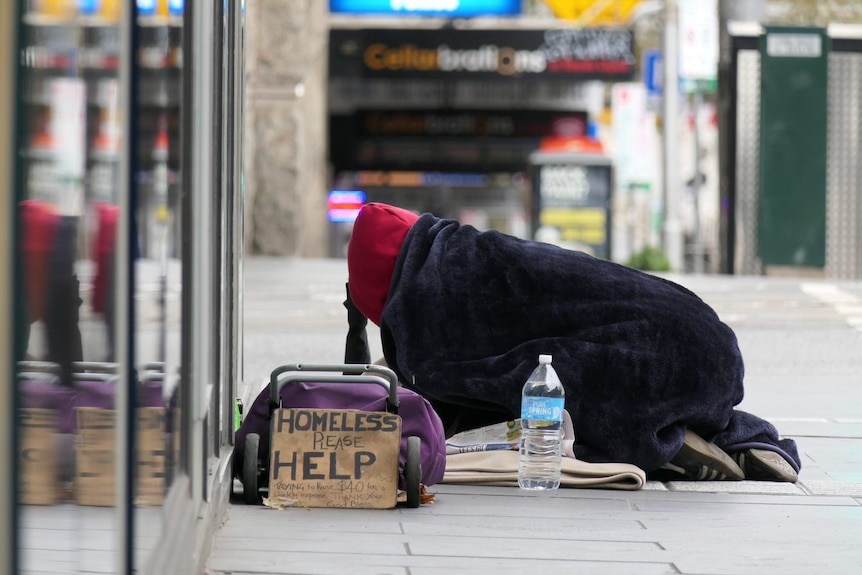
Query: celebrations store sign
(586, 53)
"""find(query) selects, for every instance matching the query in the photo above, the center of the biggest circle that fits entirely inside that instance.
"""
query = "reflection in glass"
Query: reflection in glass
(69, 214)
(157, 265)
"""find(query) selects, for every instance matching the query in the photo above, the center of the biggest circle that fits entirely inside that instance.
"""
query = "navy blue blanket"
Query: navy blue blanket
(642, 358)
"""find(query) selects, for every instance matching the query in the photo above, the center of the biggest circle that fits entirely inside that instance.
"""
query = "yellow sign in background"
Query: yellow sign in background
(585, 225)
(594, 12)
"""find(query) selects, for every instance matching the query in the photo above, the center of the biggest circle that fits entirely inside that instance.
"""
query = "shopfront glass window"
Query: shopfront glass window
(156, 242)
(68, 213)
(70, 208)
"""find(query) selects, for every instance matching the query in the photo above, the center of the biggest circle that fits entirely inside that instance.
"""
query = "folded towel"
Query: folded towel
(501, 468)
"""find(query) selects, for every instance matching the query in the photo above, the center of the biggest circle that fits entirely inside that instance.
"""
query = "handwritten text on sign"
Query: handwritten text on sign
(335, 458)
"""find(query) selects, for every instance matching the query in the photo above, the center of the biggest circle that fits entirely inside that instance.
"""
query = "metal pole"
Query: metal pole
(10, 538)
(670, 136)
(697, 248)
(729, 10)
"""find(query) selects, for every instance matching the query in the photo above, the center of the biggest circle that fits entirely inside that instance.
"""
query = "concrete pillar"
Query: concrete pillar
(285, 131)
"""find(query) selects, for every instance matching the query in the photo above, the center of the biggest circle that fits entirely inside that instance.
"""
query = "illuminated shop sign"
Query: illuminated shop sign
(446, 140)
(378, 178)
(343, 205)
(585, 53)
(440, 8)
(572, 201)
(472, 123)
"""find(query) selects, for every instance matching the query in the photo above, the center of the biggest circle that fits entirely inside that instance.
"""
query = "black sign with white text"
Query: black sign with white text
(584, 53)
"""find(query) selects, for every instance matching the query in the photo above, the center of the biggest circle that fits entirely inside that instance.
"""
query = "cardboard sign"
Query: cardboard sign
(95, 456)
(94, 484)
(334, 458)
(152, 446)
(38, 457)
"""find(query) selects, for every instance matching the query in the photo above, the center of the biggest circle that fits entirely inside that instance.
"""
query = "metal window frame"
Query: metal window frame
(124, 282)
(197, 369)
(9, 540)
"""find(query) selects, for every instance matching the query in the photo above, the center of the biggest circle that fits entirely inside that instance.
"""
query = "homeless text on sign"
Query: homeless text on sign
(335, 458)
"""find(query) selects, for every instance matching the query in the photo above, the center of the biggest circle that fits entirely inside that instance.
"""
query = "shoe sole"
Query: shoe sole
(765, 465)
(700, 460)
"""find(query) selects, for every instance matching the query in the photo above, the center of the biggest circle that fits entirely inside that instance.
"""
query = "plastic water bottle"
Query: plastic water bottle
(542, 405)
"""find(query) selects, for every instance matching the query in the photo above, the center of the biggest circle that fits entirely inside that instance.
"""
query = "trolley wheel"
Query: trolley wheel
(250, 470)
(413, 471)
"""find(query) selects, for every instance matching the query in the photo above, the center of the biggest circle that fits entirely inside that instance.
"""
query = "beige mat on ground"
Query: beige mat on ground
(501, 468)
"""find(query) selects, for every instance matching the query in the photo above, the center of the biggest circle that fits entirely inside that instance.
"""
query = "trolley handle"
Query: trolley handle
(94, 367)
(39, 367)
(40, 376)
(95, 376)
(54, 378)
(351, 373)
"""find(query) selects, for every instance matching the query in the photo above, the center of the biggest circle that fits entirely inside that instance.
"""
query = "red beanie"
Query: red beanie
(377, 236)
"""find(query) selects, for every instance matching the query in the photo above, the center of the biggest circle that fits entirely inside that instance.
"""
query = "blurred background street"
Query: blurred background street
(185, 177)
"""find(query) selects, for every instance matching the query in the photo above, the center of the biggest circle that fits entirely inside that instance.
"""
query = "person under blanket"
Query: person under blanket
(652, 375)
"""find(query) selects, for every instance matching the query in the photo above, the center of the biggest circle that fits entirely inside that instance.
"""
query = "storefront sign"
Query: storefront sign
(443, 8)
(698, 45)
(790, 45)
(584, 53)
(572, 201)
(343, 205)
(476, 124)
(593, 12)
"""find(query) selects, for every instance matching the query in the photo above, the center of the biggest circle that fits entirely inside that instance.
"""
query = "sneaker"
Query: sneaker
(765, 465)
(699, 460)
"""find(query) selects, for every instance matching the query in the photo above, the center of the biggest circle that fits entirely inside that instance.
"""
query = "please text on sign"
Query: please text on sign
(334, 458)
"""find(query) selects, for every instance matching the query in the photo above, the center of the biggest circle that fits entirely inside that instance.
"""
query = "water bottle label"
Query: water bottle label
(543, 408)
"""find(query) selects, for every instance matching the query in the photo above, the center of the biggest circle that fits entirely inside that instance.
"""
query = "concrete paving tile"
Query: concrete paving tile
(243, 519)
(778, 539)
(768, 522)
(510, 491)
(816, 487)
(48, 562)
(770, 562)
(551, 566)
(707, 501)
(839, 459)
(295, 563)
(53, 517)
(90, 561)
(526, 527)
(48, 539)
(308, 541)
(282, 563)
(797, 558)
(735, 487)
(562, 547)
(767, 385)
(520, 505)
(819, 427)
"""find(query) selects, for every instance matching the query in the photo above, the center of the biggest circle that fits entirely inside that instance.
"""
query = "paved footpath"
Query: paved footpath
(801, 340)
